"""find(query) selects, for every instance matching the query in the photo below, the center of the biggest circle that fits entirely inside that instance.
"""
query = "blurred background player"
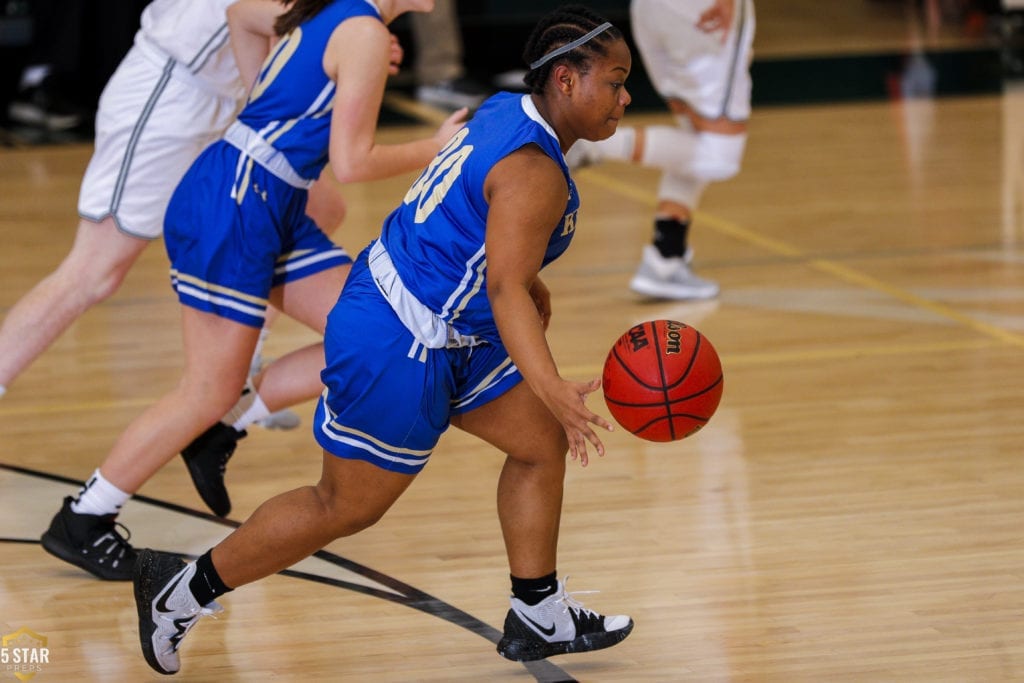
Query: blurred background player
(173, 93)
(697, 54)
(438, 65)
(73, 49)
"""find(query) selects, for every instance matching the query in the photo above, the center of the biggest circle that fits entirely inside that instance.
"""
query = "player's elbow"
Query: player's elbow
(347, 171)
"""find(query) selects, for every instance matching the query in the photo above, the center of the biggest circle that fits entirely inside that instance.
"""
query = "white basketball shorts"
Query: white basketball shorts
(154, 119)
(685, 63)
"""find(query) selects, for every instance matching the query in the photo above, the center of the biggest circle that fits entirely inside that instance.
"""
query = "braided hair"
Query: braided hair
(561, 27)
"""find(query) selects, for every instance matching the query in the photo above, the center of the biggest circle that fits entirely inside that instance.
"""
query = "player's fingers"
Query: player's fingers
(595, 441)
(600, 422)
(581, 450)
(577, 446)
(572, 445)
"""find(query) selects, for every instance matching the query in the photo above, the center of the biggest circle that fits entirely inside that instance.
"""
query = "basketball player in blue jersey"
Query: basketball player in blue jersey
(238, 237)
(174, 92)
(442, 321)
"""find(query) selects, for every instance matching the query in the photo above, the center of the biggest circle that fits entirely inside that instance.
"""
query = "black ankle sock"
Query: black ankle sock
(670, 236)
(206, 585)
(532, 591)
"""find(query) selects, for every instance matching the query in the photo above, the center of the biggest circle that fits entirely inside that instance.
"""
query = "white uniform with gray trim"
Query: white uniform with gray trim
(685, 63)
(175, 91)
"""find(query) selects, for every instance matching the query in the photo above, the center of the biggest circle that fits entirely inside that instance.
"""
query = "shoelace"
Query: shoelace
(118, 543)
(193, 614)
(569, 602)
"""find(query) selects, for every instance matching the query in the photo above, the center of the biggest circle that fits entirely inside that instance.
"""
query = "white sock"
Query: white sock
(99, 497)
(256, 412)
(249, 408)
(3, 390)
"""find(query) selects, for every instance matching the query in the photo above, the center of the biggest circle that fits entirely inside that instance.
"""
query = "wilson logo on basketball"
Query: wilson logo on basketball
(673, 339)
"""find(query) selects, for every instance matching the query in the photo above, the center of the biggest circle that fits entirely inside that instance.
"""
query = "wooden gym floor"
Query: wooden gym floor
(852, 513)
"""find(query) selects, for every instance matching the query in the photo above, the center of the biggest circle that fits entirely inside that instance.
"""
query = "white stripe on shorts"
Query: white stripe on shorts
(365, 442)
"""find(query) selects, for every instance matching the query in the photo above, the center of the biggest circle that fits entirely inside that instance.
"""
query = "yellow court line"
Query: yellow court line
(583, 371)
(836, 270)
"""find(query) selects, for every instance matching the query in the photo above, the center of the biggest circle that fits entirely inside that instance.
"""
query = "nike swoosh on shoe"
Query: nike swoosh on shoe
(549, 631)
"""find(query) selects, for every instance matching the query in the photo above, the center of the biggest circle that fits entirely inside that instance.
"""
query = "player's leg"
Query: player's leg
(149, 128)
(356, 421)
(543, 620)
(217, 352)
(99, 259)
(171, 595)
(692, 154)
(289, 380)
(704, 77)
(530, 485)
(309, 272)
(359, 482)
(327, 207)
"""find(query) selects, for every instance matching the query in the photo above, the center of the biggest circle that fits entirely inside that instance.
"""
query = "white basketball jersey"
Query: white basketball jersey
(195, 34)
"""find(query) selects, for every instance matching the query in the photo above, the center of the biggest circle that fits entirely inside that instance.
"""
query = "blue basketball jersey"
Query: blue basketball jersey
(290, 105)
(435, 238)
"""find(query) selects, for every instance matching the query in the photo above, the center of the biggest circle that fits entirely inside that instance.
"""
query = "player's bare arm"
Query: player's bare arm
(526, 192)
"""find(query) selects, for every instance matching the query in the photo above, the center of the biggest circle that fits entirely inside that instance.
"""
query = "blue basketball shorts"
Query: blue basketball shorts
(387, 400)
(229, 244)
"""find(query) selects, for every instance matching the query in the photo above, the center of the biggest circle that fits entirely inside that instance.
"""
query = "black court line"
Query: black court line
(543, 671)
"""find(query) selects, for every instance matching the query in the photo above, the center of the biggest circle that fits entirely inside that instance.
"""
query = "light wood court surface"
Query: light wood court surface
(852, 513)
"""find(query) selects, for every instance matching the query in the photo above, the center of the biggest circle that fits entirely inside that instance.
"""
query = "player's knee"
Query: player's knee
(718, 156)
(341, 515)
(543, 452)
(105, 283)
(88, 281)
(208, 397)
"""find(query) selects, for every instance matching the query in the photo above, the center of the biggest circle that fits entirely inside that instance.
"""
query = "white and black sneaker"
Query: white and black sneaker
(92, 542)
(166, 606)
(558, 625)
(670, 277)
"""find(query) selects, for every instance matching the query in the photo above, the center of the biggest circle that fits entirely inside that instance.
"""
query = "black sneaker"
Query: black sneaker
(207, 459)
(167, 609)
(558, 625)
(453, 94)
(43, 106)
(91, 542)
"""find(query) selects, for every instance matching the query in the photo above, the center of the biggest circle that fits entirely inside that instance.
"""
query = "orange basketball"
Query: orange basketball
(662, 380)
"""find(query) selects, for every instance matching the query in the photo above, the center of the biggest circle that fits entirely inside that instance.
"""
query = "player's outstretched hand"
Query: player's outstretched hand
(568, 403)
(717, 17)
(451, 125)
